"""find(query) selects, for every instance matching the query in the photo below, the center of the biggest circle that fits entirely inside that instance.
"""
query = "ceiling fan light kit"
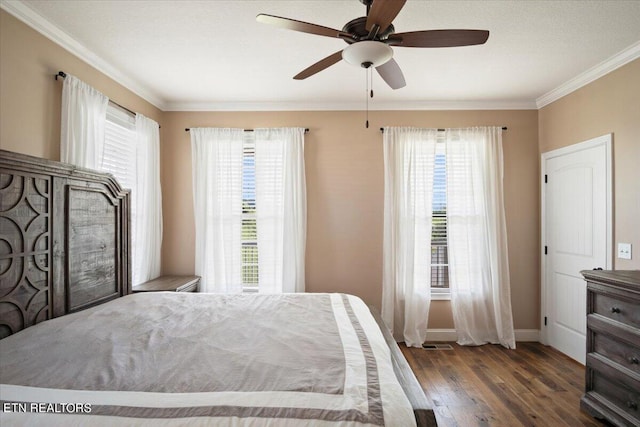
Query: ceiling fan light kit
(367, 53)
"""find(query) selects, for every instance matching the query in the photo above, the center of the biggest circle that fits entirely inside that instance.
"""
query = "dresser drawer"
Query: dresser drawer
(617, 342)
(625, 399)
(621, 353)
(623, 311)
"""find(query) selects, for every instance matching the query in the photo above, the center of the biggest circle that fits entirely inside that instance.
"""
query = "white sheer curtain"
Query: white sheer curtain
(478, 264)
(84, 114)
(217, 201)
(409, 156)
(148, 227)
(281, 209)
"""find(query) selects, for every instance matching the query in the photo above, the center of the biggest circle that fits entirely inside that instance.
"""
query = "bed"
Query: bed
(78, 348)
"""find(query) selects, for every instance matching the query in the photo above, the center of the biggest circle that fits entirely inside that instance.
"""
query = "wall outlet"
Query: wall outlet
(624, 250)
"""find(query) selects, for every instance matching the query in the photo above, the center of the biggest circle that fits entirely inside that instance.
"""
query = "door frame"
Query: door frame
(606, 141)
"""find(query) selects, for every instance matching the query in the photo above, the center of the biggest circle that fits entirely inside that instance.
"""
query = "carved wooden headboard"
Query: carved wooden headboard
(64, 240)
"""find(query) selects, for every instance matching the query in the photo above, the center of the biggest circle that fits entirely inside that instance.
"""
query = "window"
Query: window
(119, 146)
(439, 250)
(119, 158)
(249, 241)
(249, 205)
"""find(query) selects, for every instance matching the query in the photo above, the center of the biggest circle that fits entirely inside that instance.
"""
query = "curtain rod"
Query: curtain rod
(442, 130)
(133, 113)
(246, 130)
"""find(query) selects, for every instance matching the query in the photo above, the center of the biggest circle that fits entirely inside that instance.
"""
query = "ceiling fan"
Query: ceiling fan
(370, 39)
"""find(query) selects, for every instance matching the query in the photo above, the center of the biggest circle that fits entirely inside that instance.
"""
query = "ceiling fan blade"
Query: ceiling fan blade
(383, 12)
(292, 24)
(392, 74)
(438, 38)
(319, 66)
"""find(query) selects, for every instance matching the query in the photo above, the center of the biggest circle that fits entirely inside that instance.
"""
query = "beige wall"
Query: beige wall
(30, 97)
(344, 170)
(345, 190)
(610, 104)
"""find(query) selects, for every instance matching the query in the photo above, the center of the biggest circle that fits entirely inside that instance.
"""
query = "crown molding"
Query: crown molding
(351, 106)
(605, 67)
(260, 106)
(36, 21)
(456, 105)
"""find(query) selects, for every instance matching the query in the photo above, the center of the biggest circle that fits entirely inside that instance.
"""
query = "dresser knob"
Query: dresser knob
(615, 310)
(632, 405)
(634, 360)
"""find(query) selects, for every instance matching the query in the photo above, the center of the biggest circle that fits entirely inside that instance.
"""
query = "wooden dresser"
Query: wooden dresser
(612, 389)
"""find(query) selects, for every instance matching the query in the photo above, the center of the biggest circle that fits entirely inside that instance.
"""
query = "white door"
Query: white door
(576, 219)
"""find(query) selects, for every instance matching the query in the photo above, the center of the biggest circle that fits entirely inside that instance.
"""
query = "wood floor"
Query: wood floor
(533, 385)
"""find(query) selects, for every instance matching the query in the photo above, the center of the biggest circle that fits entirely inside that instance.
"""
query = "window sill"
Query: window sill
(440, 296)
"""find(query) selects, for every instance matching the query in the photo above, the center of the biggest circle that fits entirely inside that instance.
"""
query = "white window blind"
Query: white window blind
(249, 240)
(119, 158)
(439, 249)
(119, 147)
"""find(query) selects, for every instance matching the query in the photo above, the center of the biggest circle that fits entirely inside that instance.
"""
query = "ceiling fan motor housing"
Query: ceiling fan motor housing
(358, 29)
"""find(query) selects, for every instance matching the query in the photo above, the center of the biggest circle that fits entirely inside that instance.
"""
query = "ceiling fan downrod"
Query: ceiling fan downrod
(367, 3)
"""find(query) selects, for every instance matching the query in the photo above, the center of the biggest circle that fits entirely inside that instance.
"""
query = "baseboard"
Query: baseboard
(527, 335)
(522, 335)
(441, 335)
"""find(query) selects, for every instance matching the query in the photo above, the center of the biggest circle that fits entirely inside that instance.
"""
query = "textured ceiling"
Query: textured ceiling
(214, 55)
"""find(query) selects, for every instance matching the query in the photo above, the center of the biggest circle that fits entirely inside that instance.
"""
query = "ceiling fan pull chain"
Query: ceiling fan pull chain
(370, 82)
(366, 96)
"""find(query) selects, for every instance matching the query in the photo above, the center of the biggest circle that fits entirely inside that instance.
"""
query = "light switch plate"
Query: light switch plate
(624, 250)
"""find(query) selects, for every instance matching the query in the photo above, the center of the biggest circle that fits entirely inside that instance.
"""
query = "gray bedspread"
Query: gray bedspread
(206, 359)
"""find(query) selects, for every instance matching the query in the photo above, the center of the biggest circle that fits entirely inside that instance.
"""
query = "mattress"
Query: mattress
(205, 359)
